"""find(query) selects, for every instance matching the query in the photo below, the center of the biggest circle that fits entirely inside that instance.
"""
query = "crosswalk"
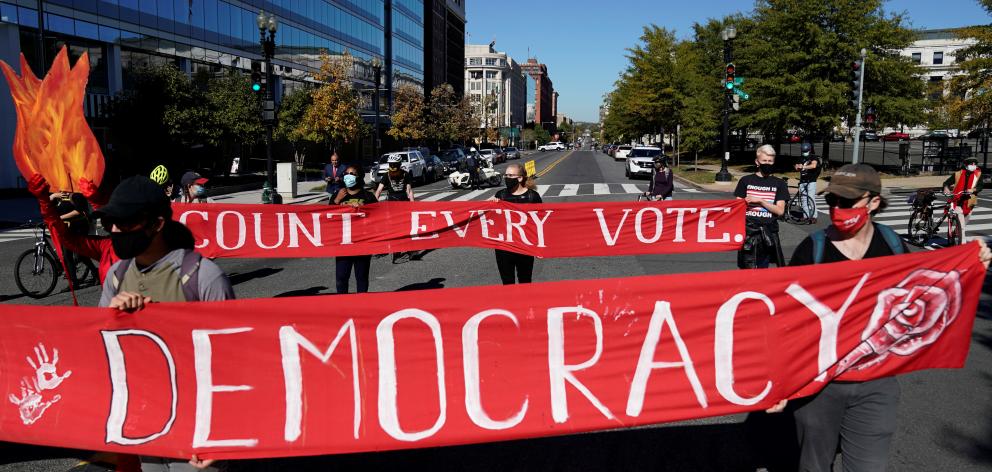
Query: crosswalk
(546, 191)
(897, 214)
(16, 234)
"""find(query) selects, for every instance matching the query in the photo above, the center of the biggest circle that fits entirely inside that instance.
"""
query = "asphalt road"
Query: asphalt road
(945, 417)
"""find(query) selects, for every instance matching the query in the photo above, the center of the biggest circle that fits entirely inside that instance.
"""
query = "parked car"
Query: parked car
(451, 160)
(792, 138)
(552, 146)
(488, 154)
(511, 153)
(621, 152)
(934, 135)
(640, 161)
(837, 138)
(895, 136)
(412, 161)
(869, 135)
(435, 169)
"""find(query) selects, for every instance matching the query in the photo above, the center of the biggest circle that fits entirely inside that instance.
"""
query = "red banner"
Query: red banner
(379, 371)
(544, 230)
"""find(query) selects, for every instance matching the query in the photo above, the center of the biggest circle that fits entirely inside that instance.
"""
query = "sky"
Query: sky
(583, 42)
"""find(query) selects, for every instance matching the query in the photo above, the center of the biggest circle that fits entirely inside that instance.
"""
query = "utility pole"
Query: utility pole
(859, 68)
(728, 35)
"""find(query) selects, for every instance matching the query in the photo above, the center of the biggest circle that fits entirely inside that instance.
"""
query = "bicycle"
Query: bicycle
(795, 208)
(37, 270)
(922, 223)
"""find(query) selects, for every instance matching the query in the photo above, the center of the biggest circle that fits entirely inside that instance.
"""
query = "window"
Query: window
(475, 61)
(490, 74)
(938, 57)
(475, 74)
(917, 57)
(475, 86)
(490, 61)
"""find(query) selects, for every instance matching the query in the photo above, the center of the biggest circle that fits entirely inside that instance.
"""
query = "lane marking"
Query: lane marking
(631, 188)
(547, 169)
(543, 189)
(600, 189)
(569, 190)
(436, 196)
(471, 195)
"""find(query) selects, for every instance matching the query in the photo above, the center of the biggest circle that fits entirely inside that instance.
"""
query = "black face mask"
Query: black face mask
(511, 182)
(766, 169)
(128, 245)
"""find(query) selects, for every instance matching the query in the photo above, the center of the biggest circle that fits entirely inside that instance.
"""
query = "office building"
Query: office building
(444, 44)
(210, 36)
(544, 93)
(494, 78)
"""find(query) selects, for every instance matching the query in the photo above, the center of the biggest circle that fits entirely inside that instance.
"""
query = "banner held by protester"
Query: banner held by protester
(376, 372)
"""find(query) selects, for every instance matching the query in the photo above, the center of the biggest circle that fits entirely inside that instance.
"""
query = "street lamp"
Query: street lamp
(267, 26)
(376, 72)
(728, 35)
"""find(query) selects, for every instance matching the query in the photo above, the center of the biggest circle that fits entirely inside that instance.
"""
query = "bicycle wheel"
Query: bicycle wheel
(794, 212)
(954, 233)
(919, 226)
(35, 278)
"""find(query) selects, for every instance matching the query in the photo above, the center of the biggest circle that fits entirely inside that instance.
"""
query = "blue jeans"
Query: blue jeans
(810, 187)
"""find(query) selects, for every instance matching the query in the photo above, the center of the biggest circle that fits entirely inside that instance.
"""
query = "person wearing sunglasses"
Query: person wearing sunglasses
(516, 268)
(860, 416)
(765, 195)
(355, 196)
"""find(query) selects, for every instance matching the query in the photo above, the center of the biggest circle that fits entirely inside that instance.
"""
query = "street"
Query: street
(945, 418)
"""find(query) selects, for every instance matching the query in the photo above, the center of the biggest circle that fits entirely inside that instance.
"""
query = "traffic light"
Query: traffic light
(257, 79)
(737, 102)
(731, 73)
(857, 74)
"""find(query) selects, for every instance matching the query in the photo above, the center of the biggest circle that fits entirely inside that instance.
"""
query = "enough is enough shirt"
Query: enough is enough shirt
(770, 189)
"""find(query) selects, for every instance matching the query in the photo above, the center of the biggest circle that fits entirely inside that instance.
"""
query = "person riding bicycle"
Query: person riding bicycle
(397, 185)
(160, 175)
(964, 186)
(662, 182)
(765, 196)
(809, 171)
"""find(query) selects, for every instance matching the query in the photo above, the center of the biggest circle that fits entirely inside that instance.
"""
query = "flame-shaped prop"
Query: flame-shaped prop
(53, 138)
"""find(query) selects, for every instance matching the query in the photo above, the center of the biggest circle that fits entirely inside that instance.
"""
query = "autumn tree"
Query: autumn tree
(409, 114)
(442, 115)
(333, 115)
(970, 99)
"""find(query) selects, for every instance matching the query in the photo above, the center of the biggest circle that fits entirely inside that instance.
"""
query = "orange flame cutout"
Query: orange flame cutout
(53, 138)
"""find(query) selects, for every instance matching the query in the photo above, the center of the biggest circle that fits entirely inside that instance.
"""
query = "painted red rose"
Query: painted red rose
(907, 317)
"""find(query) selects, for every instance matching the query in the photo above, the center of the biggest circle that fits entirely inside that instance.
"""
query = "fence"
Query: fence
(902, 157)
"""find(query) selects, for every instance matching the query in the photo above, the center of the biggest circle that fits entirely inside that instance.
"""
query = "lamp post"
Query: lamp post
(728, 35)
(267, 26)
(376, 73)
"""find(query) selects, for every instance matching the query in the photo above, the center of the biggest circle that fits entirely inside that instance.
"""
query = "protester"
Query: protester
(513, 267)
(765, 196)
(333, 172)
(809, 171)
(964, 186)
(861, 416)
(194, 188)
(353, 195)
(662, 183)
(398, 188)
(160, 175)
(158, 264)
(85, 245)
(73, 211)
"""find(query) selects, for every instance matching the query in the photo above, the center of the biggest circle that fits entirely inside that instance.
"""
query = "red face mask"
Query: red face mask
(848, 220)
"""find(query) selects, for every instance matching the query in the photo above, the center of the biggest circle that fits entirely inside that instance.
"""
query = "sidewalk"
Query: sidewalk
(304, 194)
(889, 183)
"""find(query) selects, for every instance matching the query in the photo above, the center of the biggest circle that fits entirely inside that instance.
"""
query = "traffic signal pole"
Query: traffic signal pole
(860, 68)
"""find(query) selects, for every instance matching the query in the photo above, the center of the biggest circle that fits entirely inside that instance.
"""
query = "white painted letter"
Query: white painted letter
(289, 342)
(704, 225)
(416, 228)
(205, 388)
(540, 225)
(119, 391)
(296, 227)
(610, 240)
(723, 348)
(388, 414)
(470, 363)
(258, 230)
(657, 226)
(559, 372)
(518, 226)
(485, 222)
(345, 226)
(679, 221)
(242, 230)
(829, 322)
(646, 363)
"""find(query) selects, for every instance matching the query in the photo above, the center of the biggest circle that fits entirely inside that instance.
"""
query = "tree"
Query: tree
(467, 118)
(409, 114)
(333, 116)
(443, 115)
(291, 111)
(797, 56)
(235, 113)
(970, 99)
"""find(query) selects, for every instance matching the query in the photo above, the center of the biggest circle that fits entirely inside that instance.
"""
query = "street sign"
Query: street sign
(742, 94)
(530, 168)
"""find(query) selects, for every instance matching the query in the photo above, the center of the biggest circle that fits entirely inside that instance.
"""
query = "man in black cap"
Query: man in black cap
(809, 171)
(158, 264)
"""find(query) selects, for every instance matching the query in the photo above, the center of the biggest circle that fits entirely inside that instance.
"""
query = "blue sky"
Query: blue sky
(583, 42)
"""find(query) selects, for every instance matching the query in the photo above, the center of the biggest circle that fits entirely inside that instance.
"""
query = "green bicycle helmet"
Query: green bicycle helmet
(160, 175)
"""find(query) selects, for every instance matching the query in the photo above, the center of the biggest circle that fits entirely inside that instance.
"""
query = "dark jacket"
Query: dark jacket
(336, 184)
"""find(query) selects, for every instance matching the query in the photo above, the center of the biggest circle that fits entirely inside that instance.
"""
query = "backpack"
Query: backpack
(189, 275)
(891, 238)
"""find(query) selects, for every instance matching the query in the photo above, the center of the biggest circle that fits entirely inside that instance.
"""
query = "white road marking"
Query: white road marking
(569, 191)
(600, 189)
(437, 196)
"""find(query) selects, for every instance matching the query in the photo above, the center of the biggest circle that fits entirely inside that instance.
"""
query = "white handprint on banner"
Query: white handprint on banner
(32, 403)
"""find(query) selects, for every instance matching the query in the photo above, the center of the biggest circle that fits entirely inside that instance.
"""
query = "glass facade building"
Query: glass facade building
(212, 35)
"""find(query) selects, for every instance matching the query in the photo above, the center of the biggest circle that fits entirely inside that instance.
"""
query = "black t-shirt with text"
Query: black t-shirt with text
(530, 196)
(363, 197)
(396, 188)
(803, 255)
(810, 175)
(771, 189)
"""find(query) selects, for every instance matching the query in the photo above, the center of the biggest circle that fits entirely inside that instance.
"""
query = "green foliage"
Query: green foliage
(235, 110)
(970, 101)
(409, 114)
(333, 116)
(291, 111)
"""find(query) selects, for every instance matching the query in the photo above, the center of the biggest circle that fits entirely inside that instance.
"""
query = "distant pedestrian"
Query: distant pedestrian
(662, 183)
(354, 195)
(809, 172)
(516, 268)
(964, 186)
(333, 173)
(765, 195)
(194, 188)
